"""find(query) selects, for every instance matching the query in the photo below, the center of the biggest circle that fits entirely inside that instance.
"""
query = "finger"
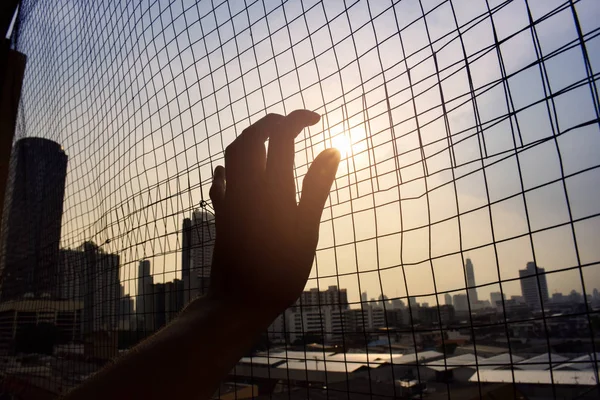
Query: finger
(315, 190)
(245, 157)
(217, 189)
(280, 160)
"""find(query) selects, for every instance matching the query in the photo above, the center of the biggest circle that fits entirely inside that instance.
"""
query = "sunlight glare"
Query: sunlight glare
(342, 143)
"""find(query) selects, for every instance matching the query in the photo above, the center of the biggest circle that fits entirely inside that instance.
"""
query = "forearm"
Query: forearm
(186, 359)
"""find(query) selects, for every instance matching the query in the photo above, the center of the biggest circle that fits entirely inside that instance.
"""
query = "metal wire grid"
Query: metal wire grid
(451, 112)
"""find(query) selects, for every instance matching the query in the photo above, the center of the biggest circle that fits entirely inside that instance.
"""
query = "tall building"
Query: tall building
(323, 321)
(186, 258)
(101, 285)
(530, 289)
(496, 300)
(331, 297)
(160, 305)
(460, 302)
(174, 293)
(202, 244)
(125, 311)
(470, 275)
(90, 275)
(448, 299)
(144, 302)
(363, 297)
(31, 221)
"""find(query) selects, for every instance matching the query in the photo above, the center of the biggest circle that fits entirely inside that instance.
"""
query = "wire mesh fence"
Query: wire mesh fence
(458, 253)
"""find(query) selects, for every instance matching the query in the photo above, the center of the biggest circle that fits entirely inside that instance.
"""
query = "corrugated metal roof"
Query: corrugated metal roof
(318, 365)
(541, 362)
(499, 361)
(535, 377)
(465, 360)
(585, 362)
(370, 358)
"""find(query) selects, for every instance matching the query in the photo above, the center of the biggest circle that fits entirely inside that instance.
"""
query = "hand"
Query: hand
(265, 242)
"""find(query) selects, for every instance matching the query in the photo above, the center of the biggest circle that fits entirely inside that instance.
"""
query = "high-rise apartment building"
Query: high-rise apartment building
(144, 303)
(460, 302)
(186, 258)
(534, 287)
(91, 275)
(448, 299)
(31, 221)
(496, 300)
(318, 298)
(470, 275)
(202, 245)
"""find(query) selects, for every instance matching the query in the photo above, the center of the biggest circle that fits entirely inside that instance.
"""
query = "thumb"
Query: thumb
(315, 189)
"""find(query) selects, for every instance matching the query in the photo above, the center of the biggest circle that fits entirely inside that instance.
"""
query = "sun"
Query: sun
(342, 143)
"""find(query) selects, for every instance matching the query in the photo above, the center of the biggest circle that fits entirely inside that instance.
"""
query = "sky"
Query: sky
(440, 162)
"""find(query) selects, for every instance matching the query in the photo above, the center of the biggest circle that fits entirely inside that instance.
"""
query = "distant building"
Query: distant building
(398, 304)
(432, 315)
(518, 299)
(558, 298)
(33, 208)
(496, 300)
(16, 316)
(384, 302)
(363, 297)
(368, 318)
(323, 321)
(470, 275)
(186, 258)
(531, 291)
(461, 303)
(125, 311)
(448, 299)
(160, 306)
(144, 302)
(575, 298)
(395, 317)
(331, 297)
(203, 233)
(174, 294)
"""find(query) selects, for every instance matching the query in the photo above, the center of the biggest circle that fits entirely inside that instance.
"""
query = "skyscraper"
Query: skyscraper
(461, 303)
(496, 300)
(186, 257)
(529, 286)
(202, 244)
(144, 303)
(31, 221)
(448, 299)
(91, 275)
(470, 274)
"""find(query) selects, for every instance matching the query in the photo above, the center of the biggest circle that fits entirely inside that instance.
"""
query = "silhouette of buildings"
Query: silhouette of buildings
(460, 302)
(144, 303)
(534, 294)
(90, 275)
(496, 300)
(32, 219)
(186, 258)
(201, 239)
(331, 297)
(448, 299)
(470, 275)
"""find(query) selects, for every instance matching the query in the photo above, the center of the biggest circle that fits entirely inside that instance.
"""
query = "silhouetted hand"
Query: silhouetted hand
(265, 242)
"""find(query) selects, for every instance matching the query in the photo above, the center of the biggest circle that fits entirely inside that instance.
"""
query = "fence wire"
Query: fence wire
(458, 253)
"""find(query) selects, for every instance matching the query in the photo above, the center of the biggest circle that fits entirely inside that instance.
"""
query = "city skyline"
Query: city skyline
(146, 189)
